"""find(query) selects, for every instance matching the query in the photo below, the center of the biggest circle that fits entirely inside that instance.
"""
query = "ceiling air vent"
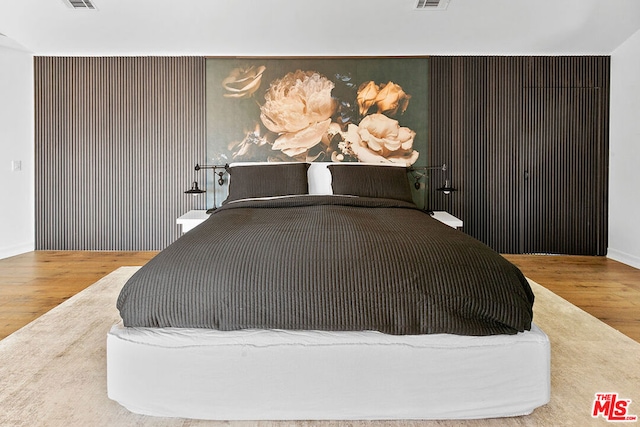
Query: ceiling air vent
(432, 4)
(80, 4)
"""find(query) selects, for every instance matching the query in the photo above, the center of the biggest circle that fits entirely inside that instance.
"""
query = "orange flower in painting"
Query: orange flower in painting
(388, 98)
(392, 98)
(367, 94)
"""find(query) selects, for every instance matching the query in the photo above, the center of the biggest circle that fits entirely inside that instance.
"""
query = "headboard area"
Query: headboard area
(251, 180)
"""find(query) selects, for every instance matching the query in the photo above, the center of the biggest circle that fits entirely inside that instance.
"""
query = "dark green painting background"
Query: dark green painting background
(229, 119)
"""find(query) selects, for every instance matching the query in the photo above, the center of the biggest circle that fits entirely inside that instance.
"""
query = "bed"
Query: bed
(303, 298)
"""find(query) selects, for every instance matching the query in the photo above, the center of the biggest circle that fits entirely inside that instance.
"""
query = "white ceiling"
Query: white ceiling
(327, 27)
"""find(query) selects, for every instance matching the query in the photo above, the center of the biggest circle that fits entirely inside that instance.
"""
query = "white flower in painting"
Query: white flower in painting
(379, 139)
(243, 82)
(298, 107)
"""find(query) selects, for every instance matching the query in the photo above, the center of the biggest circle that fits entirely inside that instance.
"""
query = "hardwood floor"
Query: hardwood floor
(33, 283)
(606, 289)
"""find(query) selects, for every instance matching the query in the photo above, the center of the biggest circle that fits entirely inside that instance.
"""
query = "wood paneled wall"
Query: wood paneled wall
(482, 110)
(117, 139)
(116, 142)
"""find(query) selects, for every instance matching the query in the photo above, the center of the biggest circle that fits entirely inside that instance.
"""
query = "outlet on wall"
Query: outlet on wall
(16, 165)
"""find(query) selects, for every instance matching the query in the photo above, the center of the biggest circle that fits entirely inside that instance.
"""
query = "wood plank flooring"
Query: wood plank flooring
(606, 289)
(33, 283)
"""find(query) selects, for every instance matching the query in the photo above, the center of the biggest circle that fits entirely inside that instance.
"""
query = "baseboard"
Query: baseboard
(10, 251)
(623, 257)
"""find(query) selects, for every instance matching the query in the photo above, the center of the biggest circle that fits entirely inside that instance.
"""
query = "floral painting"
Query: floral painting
(371, 110)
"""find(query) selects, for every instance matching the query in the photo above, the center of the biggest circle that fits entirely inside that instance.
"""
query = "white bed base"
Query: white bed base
(311, 375)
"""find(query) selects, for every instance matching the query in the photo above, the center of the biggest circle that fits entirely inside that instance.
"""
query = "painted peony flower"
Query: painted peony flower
(243, 82)
(298, 107)
(379, 139)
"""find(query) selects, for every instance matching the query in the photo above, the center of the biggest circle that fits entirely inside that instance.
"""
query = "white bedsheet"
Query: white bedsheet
(288, 375)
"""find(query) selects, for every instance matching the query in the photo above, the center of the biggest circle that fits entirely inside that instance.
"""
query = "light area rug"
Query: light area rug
(53, 371)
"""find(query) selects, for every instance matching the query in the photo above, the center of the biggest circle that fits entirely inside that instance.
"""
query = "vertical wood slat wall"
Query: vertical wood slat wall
(116, 142)
(578, 89)
(477, 110)
(476, 132)
(117, 138)
(561, 207)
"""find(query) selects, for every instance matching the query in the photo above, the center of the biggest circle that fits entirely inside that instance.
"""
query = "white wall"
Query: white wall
(624, 154)
(17, 223)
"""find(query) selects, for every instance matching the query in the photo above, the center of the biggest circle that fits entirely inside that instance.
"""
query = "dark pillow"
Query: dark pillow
(387, 182)
(278, 179)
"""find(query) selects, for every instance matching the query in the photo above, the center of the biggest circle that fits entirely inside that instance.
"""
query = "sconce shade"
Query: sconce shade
(194, 189)
(447, 188)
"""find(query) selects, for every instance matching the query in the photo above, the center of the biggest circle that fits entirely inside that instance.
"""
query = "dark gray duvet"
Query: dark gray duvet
(328, 263)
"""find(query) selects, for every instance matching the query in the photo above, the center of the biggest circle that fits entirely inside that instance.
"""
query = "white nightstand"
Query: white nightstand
(447, 218)
(191, 219)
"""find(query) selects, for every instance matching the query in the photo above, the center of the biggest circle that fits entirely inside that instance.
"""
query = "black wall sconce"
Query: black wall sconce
(219, 170)
(417, 176)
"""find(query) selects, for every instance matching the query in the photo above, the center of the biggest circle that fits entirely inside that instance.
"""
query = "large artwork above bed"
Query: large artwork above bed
(370, 110)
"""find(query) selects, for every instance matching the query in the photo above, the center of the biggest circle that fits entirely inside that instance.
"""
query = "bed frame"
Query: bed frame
(311, 375)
